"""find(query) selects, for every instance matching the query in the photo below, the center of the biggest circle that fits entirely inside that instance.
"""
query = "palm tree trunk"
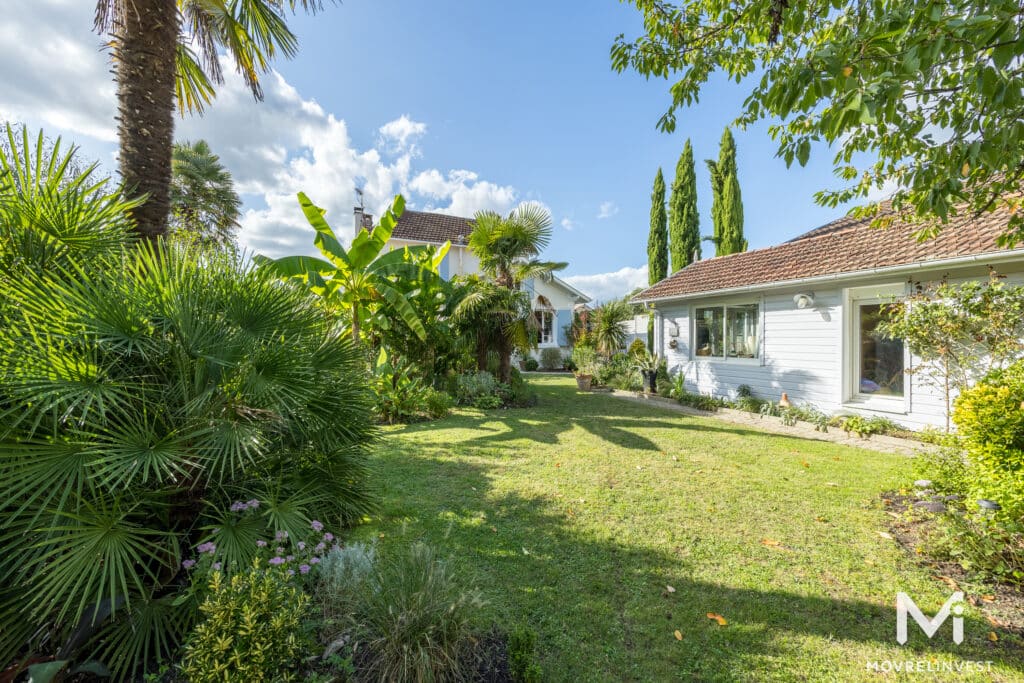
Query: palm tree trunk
(505, 362)
(146, 43)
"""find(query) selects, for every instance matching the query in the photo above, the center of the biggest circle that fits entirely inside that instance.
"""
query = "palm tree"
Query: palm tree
(609, 331)
(508, 248)
(360, 279)
(203, 197)
(497, 318)
(157, 66)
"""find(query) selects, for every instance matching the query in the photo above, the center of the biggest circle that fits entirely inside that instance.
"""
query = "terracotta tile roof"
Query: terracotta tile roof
(420, 226)
(845, 246)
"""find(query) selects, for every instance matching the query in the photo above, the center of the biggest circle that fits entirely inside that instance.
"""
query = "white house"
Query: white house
(553, 302)
(800, 317)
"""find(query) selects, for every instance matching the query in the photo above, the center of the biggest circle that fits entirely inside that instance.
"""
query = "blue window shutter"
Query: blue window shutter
(563, 319)
(445, 266)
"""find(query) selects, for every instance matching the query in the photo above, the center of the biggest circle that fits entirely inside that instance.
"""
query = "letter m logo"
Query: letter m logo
(905, 606)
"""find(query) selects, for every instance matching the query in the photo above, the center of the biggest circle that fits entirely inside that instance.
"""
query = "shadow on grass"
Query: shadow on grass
(561, 407)
(600, 605)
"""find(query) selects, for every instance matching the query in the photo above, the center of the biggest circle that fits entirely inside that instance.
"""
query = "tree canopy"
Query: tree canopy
(921, 98)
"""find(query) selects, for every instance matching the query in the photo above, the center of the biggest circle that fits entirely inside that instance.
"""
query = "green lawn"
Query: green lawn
(574, 516)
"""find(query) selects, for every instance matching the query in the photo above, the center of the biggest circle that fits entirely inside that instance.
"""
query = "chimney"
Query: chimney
(361, 220)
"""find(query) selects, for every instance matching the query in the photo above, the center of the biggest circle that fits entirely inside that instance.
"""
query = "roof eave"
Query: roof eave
(993, 256)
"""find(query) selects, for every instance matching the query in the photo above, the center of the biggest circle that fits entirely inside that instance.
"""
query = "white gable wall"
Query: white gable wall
(803, 351)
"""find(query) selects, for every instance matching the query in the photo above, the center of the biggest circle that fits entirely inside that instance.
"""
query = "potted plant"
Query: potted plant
(648, 363)
(585, 360)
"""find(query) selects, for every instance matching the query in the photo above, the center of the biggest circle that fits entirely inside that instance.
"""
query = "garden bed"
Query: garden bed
(775, 425)
(1002, 605)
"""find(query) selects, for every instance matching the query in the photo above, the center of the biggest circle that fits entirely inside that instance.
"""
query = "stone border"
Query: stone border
(773, 425)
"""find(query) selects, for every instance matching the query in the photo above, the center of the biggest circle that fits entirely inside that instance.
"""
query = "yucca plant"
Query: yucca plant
(139, 397)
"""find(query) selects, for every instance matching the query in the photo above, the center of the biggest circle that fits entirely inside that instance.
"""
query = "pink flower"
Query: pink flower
(317, 526)
(321, 547)
(314, 560)
(261, 543)
(276, 561)
(280, 535)
(216, 566)
(304, 568)
(291, 572)
(253, 503)
(328, 537)
(188, 564)
(302, 546)
(290, 558)
(208, 547)
(280, 550)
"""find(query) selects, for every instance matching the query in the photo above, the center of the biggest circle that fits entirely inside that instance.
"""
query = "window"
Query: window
(879, 361)
(545, 327)
(727, 331)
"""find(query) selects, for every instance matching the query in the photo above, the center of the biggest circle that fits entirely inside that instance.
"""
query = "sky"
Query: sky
(460, 106)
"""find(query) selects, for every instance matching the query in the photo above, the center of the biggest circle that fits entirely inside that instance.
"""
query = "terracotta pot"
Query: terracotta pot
(583, 382)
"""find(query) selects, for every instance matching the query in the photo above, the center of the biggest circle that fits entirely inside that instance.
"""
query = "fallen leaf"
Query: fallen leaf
(770, 543)
(885, 534)
(988, 598)
(525, 551)
(847, 71)
(805, 463)
(558, 464)
(992, 636)
(820, 519)
(718, 617)
(678, 635)
(949, 582)
(992, 620)
(965, 169)
(832, 484)
(670, 589)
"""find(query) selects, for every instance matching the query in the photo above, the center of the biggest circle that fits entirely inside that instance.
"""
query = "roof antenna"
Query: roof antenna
(359, 195)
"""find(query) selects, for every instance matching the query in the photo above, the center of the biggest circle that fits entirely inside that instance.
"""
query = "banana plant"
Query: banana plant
(362, 279)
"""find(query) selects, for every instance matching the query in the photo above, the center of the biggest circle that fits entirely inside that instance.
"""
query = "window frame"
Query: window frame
(853, 397)
(553, 337)
(756, 359)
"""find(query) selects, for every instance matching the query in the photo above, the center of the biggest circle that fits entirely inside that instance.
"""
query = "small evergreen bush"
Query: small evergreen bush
(251, 629)
(531, 363)
(522, 656)
(990, 419)
(551, 358)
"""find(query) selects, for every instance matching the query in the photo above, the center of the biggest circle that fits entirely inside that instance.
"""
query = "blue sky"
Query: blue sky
(517, 99)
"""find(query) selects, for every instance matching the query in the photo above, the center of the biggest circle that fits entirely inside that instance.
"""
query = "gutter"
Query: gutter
(993, 257)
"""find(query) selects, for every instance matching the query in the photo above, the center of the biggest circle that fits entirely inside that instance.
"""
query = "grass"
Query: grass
(576, 515)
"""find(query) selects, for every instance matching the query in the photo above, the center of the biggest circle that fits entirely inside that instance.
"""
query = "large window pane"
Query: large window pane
(881, 359)
(545, 327)
(709, 329)
(741, 323)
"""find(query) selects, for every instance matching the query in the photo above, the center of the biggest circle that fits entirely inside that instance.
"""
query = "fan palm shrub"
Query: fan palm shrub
(140, 397)
(203, 198)
(609, 331)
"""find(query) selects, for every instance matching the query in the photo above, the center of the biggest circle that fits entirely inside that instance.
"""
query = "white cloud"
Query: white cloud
(607, 286)
(568, 223)
(402, 133)
(462, 193)
(607, 210)
(275, 148)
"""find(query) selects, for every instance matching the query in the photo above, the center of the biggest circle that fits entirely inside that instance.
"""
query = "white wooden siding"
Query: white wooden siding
(802, 352)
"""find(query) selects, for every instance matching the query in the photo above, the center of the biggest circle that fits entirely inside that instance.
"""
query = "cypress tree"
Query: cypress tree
(657, 241)
(683, 219)
(657, 246)
(727, 203)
